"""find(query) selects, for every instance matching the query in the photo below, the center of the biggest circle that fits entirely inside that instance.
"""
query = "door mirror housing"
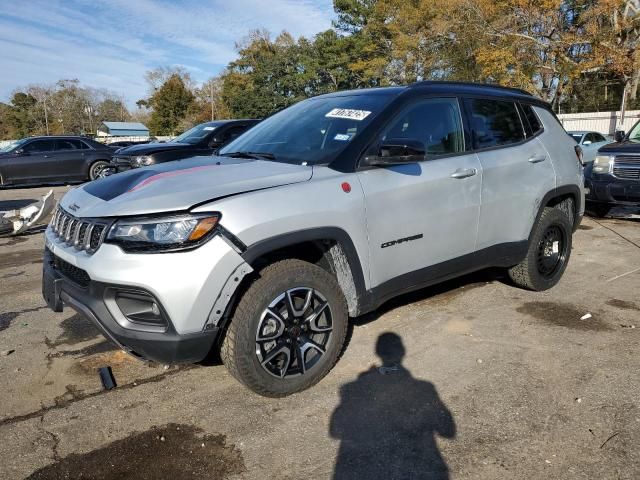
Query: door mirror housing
(586, 143)
(619, 135)
(396, 151)
(20, 151)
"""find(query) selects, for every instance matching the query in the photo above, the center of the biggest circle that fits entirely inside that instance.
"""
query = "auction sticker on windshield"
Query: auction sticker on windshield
(348, 113)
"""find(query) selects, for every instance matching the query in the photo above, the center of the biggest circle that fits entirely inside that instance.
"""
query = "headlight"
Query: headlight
(142, 160)
(602, 164)
(177, 232)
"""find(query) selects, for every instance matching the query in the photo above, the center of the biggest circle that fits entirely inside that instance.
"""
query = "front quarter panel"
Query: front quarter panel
(318, 203)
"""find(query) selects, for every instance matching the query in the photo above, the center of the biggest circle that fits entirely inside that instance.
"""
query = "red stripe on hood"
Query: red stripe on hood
(162, 175)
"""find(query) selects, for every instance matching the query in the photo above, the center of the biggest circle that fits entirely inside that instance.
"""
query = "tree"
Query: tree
(170, 104)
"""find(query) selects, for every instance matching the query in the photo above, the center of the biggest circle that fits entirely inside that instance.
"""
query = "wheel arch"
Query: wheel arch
(328, 247)
(558, 197)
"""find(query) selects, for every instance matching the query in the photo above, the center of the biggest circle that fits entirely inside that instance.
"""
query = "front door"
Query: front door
(32, 163)
(425, 213)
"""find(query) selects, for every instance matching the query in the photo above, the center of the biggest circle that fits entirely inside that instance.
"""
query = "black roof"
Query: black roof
(447, 87)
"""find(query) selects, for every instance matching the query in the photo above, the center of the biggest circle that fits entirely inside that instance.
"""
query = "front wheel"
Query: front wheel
(96, 169)
(548, 253)
(288, 329)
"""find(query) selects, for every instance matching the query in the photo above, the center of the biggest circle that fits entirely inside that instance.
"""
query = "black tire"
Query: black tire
(96, 168)
(599, 209)
(241, 347)
(543, 266)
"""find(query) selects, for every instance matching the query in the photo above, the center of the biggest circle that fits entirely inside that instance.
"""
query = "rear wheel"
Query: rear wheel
(288, 329)
(548, 254)
(96, 169)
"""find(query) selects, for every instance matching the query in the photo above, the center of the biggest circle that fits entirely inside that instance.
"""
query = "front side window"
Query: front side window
(435, 122)
(39, 146)
(312, 132)
(495, 123)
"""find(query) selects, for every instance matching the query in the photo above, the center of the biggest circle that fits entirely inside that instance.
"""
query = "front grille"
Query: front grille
(73, 273)
(627, 173)
(121, 161)
(82, 233)
(627, 167)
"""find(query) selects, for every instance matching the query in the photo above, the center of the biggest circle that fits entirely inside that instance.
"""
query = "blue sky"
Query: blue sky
(111, 43)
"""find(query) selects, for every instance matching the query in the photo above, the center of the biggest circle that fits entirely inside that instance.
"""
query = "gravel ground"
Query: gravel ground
(493, 382)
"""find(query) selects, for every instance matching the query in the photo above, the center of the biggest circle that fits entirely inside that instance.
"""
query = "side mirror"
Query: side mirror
(20, 151)
(586, 143)
(397, 151)
(619, 135)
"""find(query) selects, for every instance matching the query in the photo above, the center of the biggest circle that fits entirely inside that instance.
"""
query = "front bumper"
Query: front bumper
(191, 288)
(609, 189)
(164, 347)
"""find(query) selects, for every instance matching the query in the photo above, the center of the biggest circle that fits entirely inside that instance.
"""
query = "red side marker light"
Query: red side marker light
(346, 188)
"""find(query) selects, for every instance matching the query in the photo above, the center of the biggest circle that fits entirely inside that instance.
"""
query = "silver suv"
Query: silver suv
(320, 213)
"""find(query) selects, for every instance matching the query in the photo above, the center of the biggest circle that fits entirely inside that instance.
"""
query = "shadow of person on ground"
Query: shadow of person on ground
(387, 422)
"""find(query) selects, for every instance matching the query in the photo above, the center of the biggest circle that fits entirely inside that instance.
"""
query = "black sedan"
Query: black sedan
(204, 139)
(52, 159)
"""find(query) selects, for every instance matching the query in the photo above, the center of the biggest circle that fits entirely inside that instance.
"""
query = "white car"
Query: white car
(590, 142)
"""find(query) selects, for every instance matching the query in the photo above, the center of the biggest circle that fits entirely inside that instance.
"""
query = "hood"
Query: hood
(624, 147)
(178, 186)
(149, 148)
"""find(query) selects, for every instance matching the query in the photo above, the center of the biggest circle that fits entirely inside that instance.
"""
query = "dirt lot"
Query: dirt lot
(495, 382)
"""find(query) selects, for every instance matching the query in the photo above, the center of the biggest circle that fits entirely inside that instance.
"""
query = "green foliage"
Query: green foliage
(170, 104)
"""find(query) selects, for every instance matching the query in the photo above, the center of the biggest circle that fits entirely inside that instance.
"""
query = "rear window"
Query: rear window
(495, 123)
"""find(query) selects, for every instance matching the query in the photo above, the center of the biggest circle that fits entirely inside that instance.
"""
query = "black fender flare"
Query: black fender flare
(288, 239)
(563, 191)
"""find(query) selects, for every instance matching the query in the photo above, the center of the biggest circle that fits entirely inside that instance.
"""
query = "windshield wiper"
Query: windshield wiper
(253, 155)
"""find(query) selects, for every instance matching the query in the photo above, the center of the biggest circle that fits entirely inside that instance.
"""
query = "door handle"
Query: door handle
(46, 156)
(537, 159)
(464, 173)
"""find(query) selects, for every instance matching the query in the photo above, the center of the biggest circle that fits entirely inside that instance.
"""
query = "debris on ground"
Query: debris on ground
(107, 378)
(586, 316)
(15, 222)
(6, 353)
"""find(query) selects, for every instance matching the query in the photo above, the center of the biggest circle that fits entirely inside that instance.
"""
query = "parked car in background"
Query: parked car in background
(590, 142)
(126, 143)
(323, 211)
(614, 176)
(203, 139)
(52, 159)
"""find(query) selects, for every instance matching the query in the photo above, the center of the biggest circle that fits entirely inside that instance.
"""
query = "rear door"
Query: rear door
(422, 214)
(33, 164)
(517, 172)
(69, 159)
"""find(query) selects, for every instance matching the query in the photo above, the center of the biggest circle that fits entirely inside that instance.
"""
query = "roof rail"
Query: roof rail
(470, 84)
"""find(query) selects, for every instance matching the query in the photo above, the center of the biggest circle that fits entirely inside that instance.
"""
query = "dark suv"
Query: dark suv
(52, 159)
(203, 139)
(614, 176)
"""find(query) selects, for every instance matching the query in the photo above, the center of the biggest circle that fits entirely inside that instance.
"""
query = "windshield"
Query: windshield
(634, 134)
(576, 136)
(196, 134)
(313, 131)
(10, 146)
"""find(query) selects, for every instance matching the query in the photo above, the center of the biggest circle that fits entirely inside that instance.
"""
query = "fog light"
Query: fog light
(139, 308)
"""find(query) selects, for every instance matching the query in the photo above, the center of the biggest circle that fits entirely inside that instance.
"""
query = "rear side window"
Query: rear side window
(532, 119)
(70, 144)
(494, 123)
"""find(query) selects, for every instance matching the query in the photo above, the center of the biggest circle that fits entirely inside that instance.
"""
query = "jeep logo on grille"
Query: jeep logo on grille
(74, 207)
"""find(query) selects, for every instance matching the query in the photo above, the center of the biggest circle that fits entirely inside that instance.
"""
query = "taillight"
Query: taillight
(579, 154)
